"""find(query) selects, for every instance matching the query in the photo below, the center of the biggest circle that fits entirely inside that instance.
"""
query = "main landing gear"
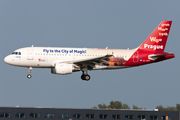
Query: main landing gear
(85, 76)
(29, 75)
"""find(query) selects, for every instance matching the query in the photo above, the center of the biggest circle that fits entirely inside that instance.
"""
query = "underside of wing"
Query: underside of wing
(91, 62)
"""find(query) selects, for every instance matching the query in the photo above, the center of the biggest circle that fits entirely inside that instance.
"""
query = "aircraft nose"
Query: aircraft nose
(7, 59)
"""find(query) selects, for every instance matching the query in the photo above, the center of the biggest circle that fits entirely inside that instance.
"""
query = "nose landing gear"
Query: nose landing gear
(29, 75)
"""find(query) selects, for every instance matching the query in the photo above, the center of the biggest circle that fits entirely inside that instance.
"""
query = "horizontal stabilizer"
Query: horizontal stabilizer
(156, 56)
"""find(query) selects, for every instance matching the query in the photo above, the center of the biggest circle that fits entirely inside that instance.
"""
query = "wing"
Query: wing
(91, 62)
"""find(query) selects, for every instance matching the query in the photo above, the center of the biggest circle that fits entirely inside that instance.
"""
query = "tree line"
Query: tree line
(120, 105)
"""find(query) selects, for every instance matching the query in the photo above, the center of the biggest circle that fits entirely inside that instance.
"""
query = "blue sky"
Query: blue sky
(94, 24)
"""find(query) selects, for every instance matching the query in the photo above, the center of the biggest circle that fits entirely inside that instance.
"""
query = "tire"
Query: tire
(29, 76)
(87, 77)
(83, 77)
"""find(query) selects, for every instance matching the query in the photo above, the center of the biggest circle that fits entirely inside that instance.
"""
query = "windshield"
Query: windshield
(16, 53)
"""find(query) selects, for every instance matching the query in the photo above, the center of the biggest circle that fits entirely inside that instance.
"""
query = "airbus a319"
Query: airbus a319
(67, 60)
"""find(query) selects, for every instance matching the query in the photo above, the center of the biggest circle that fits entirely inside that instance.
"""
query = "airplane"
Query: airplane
(64, 61)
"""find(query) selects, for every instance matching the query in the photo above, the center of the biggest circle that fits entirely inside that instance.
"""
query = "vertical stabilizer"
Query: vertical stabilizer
(156, 41)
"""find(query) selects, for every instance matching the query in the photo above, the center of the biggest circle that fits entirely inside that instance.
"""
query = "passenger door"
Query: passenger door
(136, 57)
(30, 54)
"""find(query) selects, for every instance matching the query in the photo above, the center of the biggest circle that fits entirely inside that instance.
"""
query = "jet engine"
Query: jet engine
(62, 69)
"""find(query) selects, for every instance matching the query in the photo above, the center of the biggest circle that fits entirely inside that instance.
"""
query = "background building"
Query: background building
(17, 113)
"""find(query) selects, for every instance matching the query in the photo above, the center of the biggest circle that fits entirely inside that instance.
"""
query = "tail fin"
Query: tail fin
(156, 41)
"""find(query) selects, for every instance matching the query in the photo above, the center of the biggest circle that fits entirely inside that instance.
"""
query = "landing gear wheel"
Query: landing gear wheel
(87, 77)
(29, 76)
(83, 77)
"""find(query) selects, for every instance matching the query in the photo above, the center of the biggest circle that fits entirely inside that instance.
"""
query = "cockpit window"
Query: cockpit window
(16, 53)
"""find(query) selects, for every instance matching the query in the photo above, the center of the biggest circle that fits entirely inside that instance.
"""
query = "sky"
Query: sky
(118, 24)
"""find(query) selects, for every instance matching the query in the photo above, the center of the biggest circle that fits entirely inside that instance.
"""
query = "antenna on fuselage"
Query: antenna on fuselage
(107, 47)
(32, 46)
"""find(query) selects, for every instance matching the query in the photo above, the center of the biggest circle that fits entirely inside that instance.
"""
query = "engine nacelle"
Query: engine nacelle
(62, 69)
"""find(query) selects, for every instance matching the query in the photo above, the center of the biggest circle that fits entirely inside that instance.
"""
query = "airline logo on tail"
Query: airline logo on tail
(157, 39)
(161, 29)
(165, 24)
(154, 47)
